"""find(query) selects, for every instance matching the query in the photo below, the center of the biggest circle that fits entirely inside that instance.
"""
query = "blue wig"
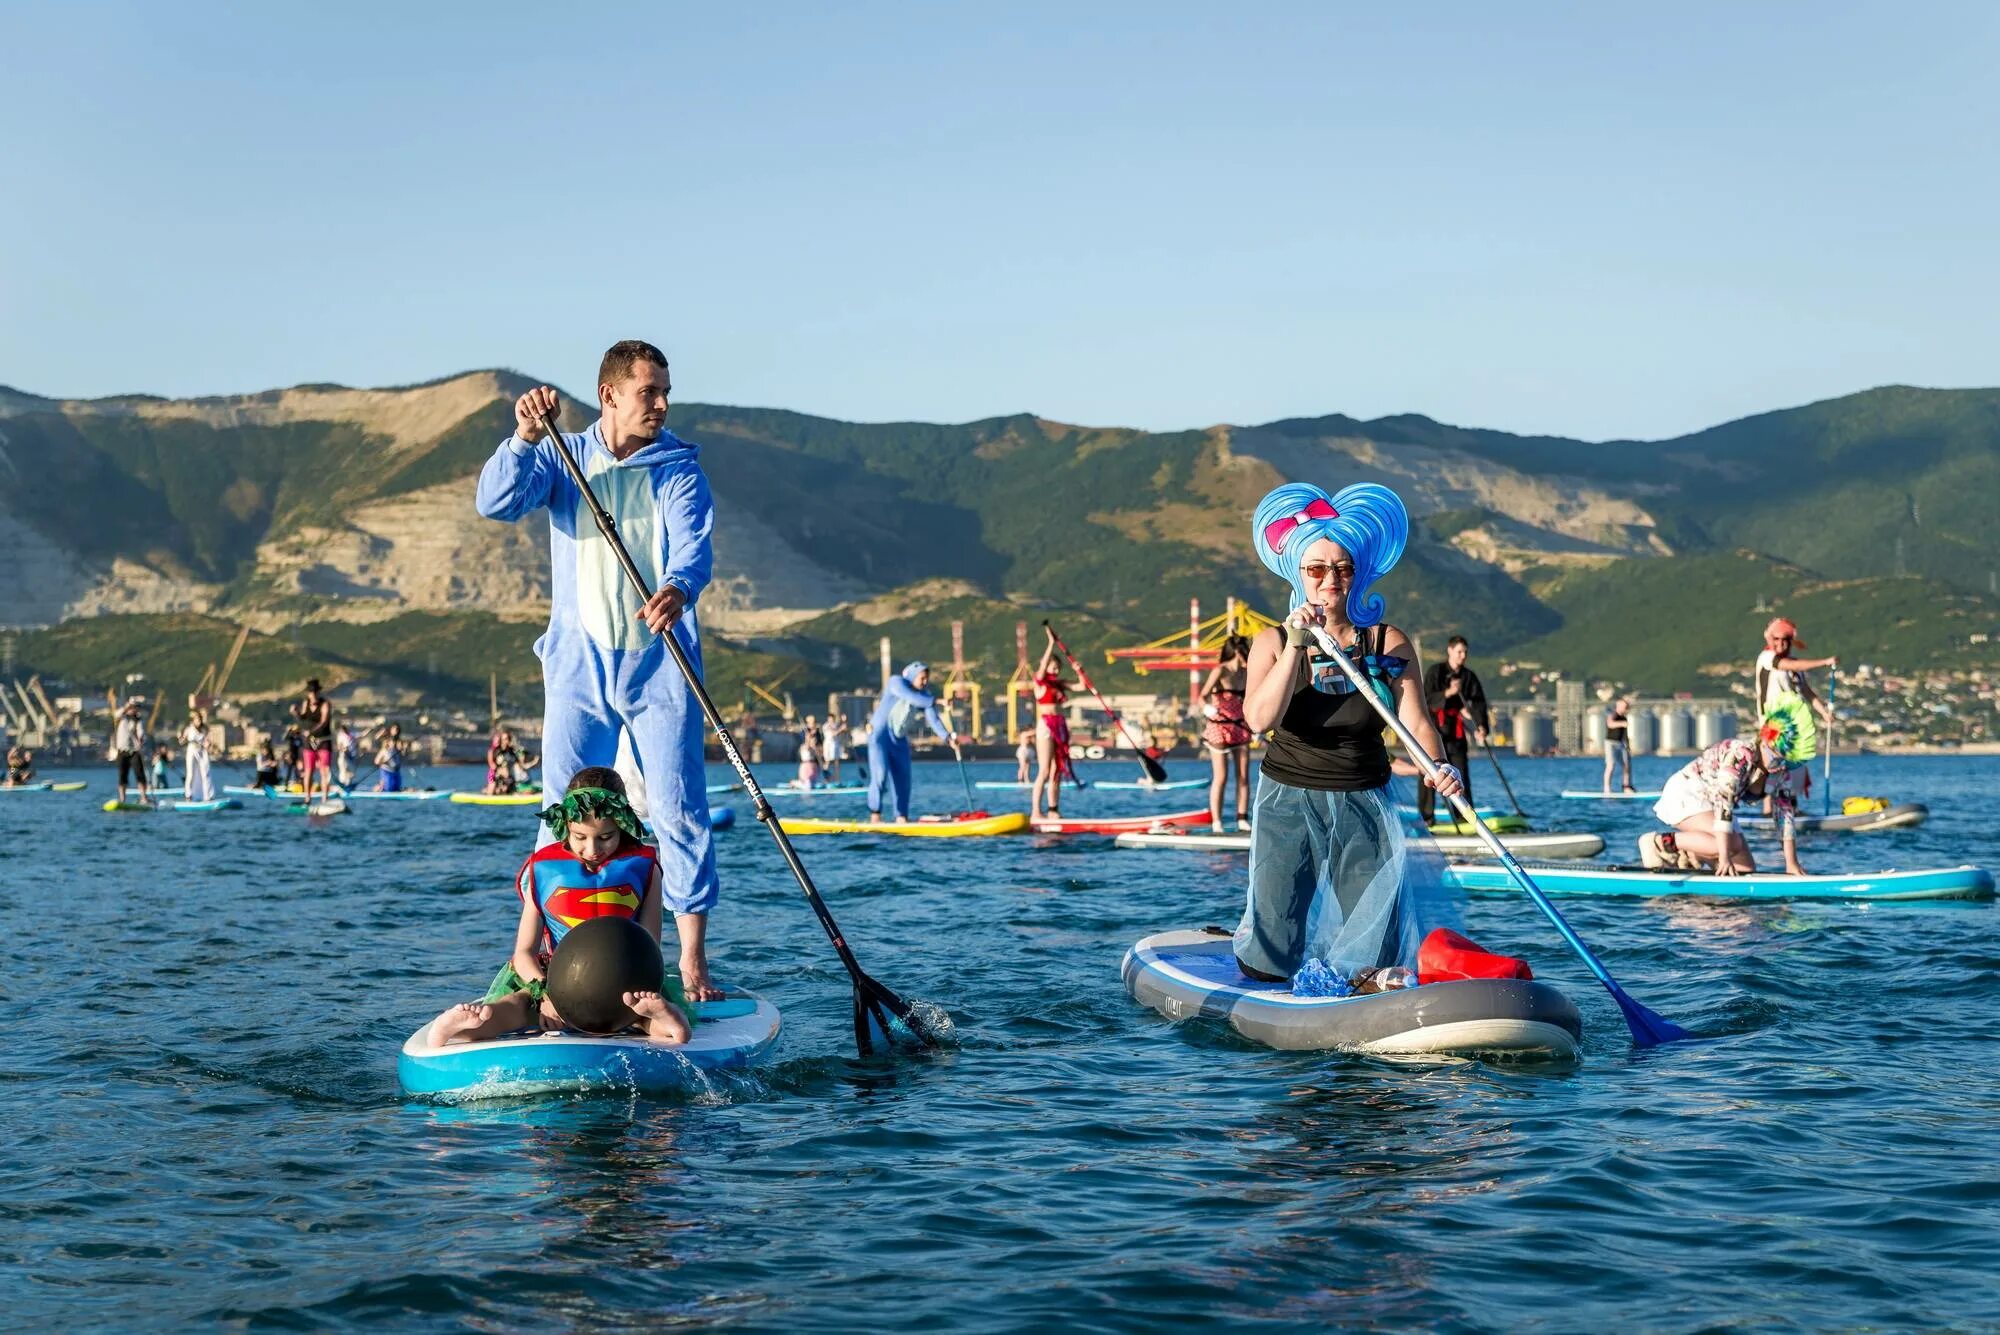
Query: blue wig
(1366, 519)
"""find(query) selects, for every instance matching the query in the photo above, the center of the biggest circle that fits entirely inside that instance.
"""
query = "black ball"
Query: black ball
(595, 964)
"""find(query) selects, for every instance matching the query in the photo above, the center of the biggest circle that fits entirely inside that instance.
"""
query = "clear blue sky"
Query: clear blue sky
(1587, 219)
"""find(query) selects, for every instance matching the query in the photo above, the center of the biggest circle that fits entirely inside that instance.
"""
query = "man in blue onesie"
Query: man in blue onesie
(905, 700)
(604, 669)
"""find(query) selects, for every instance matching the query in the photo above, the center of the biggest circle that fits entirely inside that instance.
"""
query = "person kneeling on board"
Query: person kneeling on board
(1338, 889)
(1700, 801)
(597, 868)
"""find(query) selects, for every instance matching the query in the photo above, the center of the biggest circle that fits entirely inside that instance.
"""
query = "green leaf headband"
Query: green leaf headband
(591, 804)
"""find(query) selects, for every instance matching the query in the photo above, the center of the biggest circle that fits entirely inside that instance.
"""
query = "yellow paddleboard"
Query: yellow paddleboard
(1012, 822)
(1507, 824)
(497, 799)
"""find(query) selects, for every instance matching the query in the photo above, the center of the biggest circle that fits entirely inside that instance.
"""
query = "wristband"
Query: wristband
(1298, 637)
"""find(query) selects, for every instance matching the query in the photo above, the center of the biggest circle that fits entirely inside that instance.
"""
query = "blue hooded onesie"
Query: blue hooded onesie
(602, 670)
(889, 729)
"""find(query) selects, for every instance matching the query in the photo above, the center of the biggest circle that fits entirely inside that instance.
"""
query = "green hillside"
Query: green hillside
(1658, 625)
(1872, 510)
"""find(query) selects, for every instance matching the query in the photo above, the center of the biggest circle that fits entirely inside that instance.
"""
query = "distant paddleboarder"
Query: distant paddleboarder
(1052, 760)
(906, 701)
(314, 713)
(604, 670)
(1617, 742)
(1455, 698)
(198, 786)
(128, 743)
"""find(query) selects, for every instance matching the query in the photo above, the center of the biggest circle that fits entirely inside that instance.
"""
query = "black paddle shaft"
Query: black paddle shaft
(609, 528)
(1154, 769)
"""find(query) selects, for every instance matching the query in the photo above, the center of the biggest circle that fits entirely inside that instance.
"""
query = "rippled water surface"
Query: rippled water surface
(203, 1122)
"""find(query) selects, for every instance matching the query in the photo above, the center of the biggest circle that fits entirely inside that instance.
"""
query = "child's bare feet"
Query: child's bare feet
(458, 1024)
(657, 1016)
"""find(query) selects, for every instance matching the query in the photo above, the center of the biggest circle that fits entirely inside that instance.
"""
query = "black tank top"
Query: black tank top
(1615, 726)
(1330, 742)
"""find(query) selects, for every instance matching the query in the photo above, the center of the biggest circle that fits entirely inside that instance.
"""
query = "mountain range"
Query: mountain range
(338, 524)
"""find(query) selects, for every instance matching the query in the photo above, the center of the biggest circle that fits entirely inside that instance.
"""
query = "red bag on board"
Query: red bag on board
(1446, 957)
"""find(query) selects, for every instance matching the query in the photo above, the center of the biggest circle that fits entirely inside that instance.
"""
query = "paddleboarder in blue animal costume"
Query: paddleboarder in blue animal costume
(905, 701)
(604, 668)
(1338, 890)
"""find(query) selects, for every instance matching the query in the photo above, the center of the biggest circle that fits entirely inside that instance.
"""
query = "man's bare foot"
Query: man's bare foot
(458, 1024)
(696, 982)
(657, 1016)
(874, 818)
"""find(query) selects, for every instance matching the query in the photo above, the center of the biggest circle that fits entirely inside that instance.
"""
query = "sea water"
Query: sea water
(203, 1125)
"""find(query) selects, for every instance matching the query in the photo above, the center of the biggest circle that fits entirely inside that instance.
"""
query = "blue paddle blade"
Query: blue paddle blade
(1649, 1028)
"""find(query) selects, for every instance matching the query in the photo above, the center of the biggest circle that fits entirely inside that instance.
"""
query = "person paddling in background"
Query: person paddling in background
(128, 740)
(1225, 733)
(1338, 889)
(906, 700)
(346, 755)
(1024, 759)
(314, 713)
(605, 671)
(198, 786)
(266, 775)
(808, 777)
(389, 761)
(598, 867)
(20, 765)
(163, 759)
(1700, 801)
(1617, 743)
(833, 747)
(294, 752)
(1052, 760)
(1454, 695)
(1780, 671)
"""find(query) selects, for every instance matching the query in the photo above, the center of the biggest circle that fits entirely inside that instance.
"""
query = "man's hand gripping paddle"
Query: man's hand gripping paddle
(1155, 771)
(1648, 1029)
(877, 1010)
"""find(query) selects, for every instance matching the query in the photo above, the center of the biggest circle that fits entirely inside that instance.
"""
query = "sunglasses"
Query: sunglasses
(1317, 572)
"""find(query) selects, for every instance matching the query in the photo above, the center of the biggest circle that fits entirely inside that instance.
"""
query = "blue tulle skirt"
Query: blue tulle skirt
(1339, 883)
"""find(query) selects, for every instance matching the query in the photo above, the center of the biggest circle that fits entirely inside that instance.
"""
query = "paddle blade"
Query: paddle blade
(1649, 1028)
(1154, 769)
(884, 1020)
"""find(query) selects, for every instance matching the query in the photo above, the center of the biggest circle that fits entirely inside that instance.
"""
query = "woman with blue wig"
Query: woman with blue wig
(1338, 888)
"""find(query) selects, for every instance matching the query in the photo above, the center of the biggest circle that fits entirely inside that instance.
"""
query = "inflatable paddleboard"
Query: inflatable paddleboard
(1592, 795)
(1499, 824)
(1451, 845)
(40, 786)
(1185, 974)
(1153, 787)
(732, 1033)
(336, 807)
(129, 804)
(409, 795)
(725, 788)
(830, 790)
(497, 799)
(246, 790)
(939, 827)
(1122, 824)
(213, 804)
(1944, 883)
(1902, 816)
